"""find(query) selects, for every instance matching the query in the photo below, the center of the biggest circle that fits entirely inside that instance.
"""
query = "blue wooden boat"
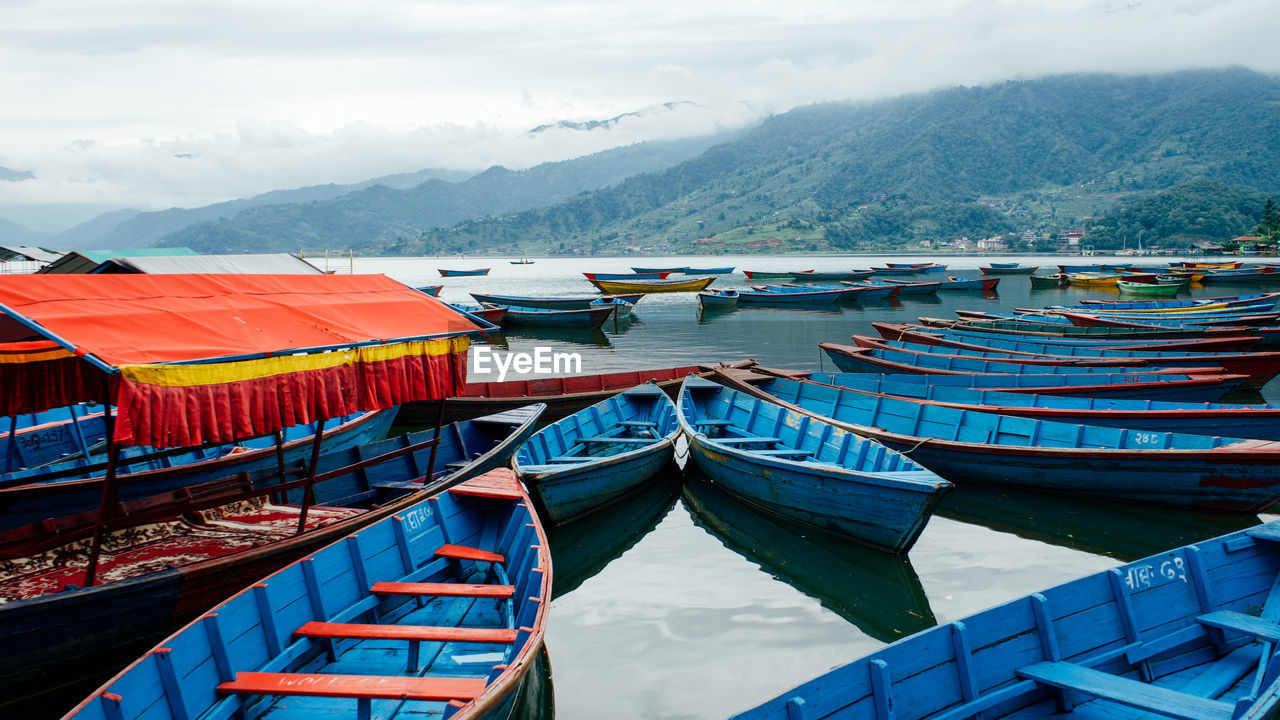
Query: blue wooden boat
(647, 270)
(463, 273)
(1258, 421)
(439, 609)
(1004, 265)
(241, 535)
(984, 284)
(1049, 346)
(75, 486)
(628, 276)
(1065, 269)
(578, 302)
(849, 358)
(621, 308)
(894, 331)
(706, 271)
(1023, 327)
(599, 455)
(1243, 275)
(919, 267)
(1046, 281)
(907, 287)
(820, 276)
(49, 436)
(807, 471)
(1183, 388)
(1208, 472)
(718, 299)
(1007, 269)
(1260, 367)
(1227, 301)
(1185, 634)
(890, 270)
(778, 295)
(432, 290)
(1183, 320)
(878, 592)
(861, 291)
(592, 317)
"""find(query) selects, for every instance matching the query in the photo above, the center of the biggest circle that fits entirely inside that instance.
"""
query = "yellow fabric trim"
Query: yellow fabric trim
(37, 356)
(218, 373)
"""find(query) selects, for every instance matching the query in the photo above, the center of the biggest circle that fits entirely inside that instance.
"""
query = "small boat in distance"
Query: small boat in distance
(772, 274)
(463, 273)
(600, 454)
(627, 276)
(985, 284)
(652, 286)
(1156, 290)
(592, 317)
(718, 299)
(575, 302)
(432, 290)
(707, 271)
(523, 261)
(1011, 269)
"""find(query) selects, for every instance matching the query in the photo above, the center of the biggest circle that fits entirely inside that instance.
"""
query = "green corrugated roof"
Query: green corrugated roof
(105, 255)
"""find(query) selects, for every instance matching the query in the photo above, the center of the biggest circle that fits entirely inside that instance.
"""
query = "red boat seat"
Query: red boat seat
(368, 687)
(461, 552)
(426, 633)
(444, 589)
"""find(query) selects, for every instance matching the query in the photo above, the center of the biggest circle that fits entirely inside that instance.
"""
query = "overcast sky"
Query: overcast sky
(159, 103)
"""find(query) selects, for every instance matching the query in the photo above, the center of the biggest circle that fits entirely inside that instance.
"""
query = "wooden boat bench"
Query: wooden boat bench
(362, 688)
(782, 453)
(618, 440)
(747, 440)
(1131, 693)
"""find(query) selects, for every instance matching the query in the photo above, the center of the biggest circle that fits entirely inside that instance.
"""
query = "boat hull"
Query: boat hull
(652, 286)
(1084, 644)
(599, 455)
(851, 487)
(550, 303)
(1228, 476)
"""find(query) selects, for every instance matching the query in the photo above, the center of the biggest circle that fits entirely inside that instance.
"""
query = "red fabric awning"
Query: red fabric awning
(213, 358)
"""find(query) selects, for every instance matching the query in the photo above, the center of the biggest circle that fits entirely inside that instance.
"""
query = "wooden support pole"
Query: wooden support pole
(309, 495)
(435, 443)
(280, 462)
(108, 499)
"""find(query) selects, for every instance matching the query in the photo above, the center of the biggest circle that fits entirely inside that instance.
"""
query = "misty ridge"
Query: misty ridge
(1020, 158)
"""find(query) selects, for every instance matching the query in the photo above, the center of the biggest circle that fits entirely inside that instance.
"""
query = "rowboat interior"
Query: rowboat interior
(418, 615)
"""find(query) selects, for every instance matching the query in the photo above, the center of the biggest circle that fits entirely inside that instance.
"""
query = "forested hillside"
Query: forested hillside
(380, 215)
(1027, 158)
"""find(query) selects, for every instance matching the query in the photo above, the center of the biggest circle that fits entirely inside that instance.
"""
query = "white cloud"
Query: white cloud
(150, 104)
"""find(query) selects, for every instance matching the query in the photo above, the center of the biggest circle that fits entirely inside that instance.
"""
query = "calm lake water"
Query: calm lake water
(683, 603)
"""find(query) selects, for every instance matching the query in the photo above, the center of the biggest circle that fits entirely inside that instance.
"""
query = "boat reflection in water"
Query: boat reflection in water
(878, 592)
(581, 549)
(580, 336)
(1118, 530)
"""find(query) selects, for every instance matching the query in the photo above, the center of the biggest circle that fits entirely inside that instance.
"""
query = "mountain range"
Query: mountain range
(1026, 159)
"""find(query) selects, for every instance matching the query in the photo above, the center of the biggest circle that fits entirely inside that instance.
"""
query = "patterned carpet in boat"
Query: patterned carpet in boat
(137, 551)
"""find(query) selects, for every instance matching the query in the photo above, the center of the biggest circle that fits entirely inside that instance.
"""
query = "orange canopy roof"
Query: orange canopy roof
(145, 319)
(190, 359)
